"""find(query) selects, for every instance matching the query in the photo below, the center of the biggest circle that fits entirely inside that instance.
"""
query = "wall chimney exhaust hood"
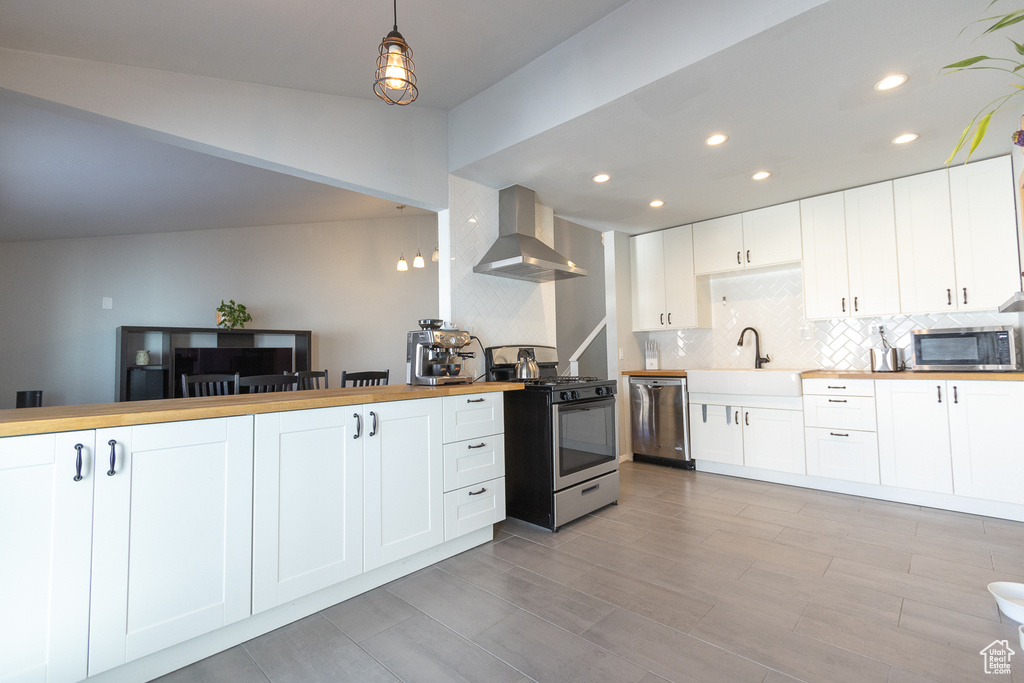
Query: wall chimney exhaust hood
(517, 253)
(1015, 304)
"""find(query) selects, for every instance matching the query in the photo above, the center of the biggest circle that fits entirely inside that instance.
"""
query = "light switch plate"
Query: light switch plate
(107, 303)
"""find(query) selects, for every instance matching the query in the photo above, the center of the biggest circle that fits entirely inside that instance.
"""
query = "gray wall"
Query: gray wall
(336, 279)
(580, 301)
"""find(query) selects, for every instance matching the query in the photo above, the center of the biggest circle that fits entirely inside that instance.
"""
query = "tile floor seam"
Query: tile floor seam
(252, 659)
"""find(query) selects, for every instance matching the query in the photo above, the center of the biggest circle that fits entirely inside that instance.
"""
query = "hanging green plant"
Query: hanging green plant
(231, 315)
(978, 127)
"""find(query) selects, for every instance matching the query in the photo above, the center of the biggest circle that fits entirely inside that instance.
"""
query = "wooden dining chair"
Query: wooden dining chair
(370, 378)
(264, 384)
(310, 379)
(209, 385)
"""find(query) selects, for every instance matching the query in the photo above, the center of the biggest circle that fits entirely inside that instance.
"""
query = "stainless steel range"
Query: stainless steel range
(561, 448)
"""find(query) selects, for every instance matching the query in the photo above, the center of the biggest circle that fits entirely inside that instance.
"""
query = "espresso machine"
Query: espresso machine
(433, 356)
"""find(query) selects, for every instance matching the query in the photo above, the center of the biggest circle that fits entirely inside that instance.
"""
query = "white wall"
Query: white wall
(336, 279)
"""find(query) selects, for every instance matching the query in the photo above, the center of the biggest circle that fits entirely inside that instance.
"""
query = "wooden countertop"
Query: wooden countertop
(908, 374)
(20, 421)
(654, 373)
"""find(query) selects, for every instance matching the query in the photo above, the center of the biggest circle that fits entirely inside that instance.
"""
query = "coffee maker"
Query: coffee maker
(433, 356)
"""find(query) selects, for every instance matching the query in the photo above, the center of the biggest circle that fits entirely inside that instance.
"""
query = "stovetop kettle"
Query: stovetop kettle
(526, 366)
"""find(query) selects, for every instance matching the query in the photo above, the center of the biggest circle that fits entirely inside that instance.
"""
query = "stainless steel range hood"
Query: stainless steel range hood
(1015, 304)
(517, 253)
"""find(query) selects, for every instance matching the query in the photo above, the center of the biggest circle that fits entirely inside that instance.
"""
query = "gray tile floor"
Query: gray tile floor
(692, 577)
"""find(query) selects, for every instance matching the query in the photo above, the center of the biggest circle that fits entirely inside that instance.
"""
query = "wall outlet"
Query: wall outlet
(622, 354)
(107, 303)
(805, 332)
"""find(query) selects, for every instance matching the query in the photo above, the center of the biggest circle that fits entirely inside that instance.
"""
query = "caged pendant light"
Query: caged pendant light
(396, 82)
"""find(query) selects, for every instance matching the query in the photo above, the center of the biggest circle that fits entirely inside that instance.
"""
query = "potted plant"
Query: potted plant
(231, 315)
(976, 129)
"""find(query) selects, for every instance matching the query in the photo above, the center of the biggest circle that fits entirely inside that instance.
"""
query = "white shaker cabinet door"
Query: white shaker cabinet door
(871, 250)
(718, 245)
(924, 243)
(172, 557)
(913, 435)
(307, 502)
(681, 300)
(716, 433)
(826, 284)
(648, 280)
(984, 233)
(771, 235)
(774, 439)
(403, 475)
(45, 543)
(988, 454)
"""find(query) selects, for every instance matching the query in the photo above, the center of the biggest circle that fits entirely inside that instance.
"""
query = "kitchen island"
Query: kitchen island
(150, 535)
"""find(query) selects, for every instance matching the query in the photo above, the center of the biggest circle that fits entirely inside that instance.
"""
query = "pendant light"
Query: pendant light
(418, 261)
(396, 82)
(402, 263)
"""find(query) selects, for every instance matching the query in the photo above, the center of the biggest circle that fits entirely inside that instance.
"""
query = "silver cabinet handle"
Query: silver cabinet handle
(939, 389)
(835, 434)
(113, 456)
(78, 462)
(359, 425)
(670, 317)
(479, 445)
(477, 493)
(373, 429)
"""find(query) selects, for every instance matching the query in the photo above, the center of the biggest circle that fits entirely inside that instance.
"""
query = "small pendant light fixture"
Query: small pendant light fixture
(418, 261)
(396, 82)
(402, 263)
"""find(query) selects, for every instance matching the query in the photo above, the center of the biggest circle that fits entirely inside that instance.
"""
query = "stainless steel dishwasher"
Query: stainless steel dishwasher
(657, 408)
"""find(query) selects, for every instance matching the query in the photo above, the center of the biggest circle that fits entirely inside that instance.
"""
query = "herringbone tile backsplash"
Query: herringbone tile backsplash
(772, 302)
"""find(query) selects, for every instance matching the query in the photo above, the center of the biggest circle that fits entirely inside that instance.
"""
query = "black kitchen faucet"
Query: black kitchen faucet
(759, 361)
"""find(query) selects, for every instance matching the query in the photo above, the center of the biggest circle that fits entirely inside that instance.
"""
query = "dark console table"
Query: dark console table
(159, 379)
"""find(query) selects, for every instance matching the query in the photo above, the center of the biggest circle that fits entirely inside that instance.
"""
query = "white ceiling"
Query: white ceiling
(796, 99)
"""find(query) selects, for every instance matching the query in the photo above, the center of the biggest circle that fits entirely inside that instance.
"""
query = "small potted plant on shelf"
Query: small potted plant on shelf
(231, 315)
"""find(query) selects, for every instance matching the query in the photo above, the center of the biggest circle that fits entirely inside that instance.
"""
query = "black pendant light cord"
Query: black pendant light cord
(396, 15)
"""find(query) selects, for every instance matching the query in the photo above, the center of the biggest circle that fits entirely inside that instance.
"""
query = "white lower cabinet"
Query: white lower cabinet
(913, 435)
(716, 433)
(474, 468)
(307, 502)
(754, 436)
(840, 437)
(172, 535)
(403, 472)
(45, 545)
(473, 507)
(987, 452)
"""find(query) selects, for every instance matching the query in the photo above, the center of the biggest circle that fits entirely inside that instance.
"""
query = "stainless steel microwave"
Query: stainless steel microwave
(991, 349)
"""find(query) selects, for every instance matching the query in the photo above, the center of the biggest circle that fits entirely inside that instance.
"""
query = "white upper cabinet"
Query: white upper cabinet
(984, 233)
(924, 243)
(956, 236)
(666, 295)
(752, 239)
(826, 283)
(871, 250)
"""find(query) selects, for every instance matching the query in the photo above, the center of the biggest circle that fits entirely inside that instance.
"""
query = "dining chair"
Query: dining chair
(263, 384)
(310, 379)
(371, 378)
(209, 385)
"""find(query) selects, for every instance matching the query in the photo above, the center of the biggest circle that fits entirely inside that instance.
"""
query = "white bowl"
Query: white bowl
(1010, 598)
(1020, 630)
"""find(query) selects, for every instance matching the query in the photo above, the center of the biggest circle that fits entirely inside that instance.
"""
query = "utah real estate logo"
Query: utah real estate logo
(997, 657)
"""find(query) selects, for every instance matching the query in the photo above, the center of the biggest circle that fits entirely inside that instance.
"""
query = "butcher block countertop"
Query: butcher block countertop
(21, 421)
(655, 373)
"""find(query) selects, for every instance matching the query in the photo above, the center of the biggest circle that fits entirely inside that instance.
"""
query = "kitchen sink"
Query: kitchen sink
(762, 382)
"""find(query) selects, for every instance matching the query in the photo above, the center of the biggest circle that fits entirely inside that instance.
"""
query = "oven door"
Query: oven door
(585, 445)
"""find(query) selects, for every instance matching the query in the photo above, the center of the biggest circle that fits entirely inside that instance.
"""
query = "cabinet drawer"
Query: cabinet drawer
(472, 416)
(838, 454)
(473, 507)
(473, 461)
(840, 412)
(839, 387)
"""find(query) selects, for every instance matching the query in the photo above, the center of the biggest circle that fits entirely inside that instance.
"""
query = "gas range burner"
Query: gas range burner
(557, 381)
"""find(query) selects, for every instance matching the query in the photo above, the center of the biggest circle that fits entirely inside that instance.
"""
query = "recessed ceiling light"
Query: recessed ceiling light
(602, 178)
(890, 82)
(905, 138)
(716, 139)
(657, 202)
(760, 175)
